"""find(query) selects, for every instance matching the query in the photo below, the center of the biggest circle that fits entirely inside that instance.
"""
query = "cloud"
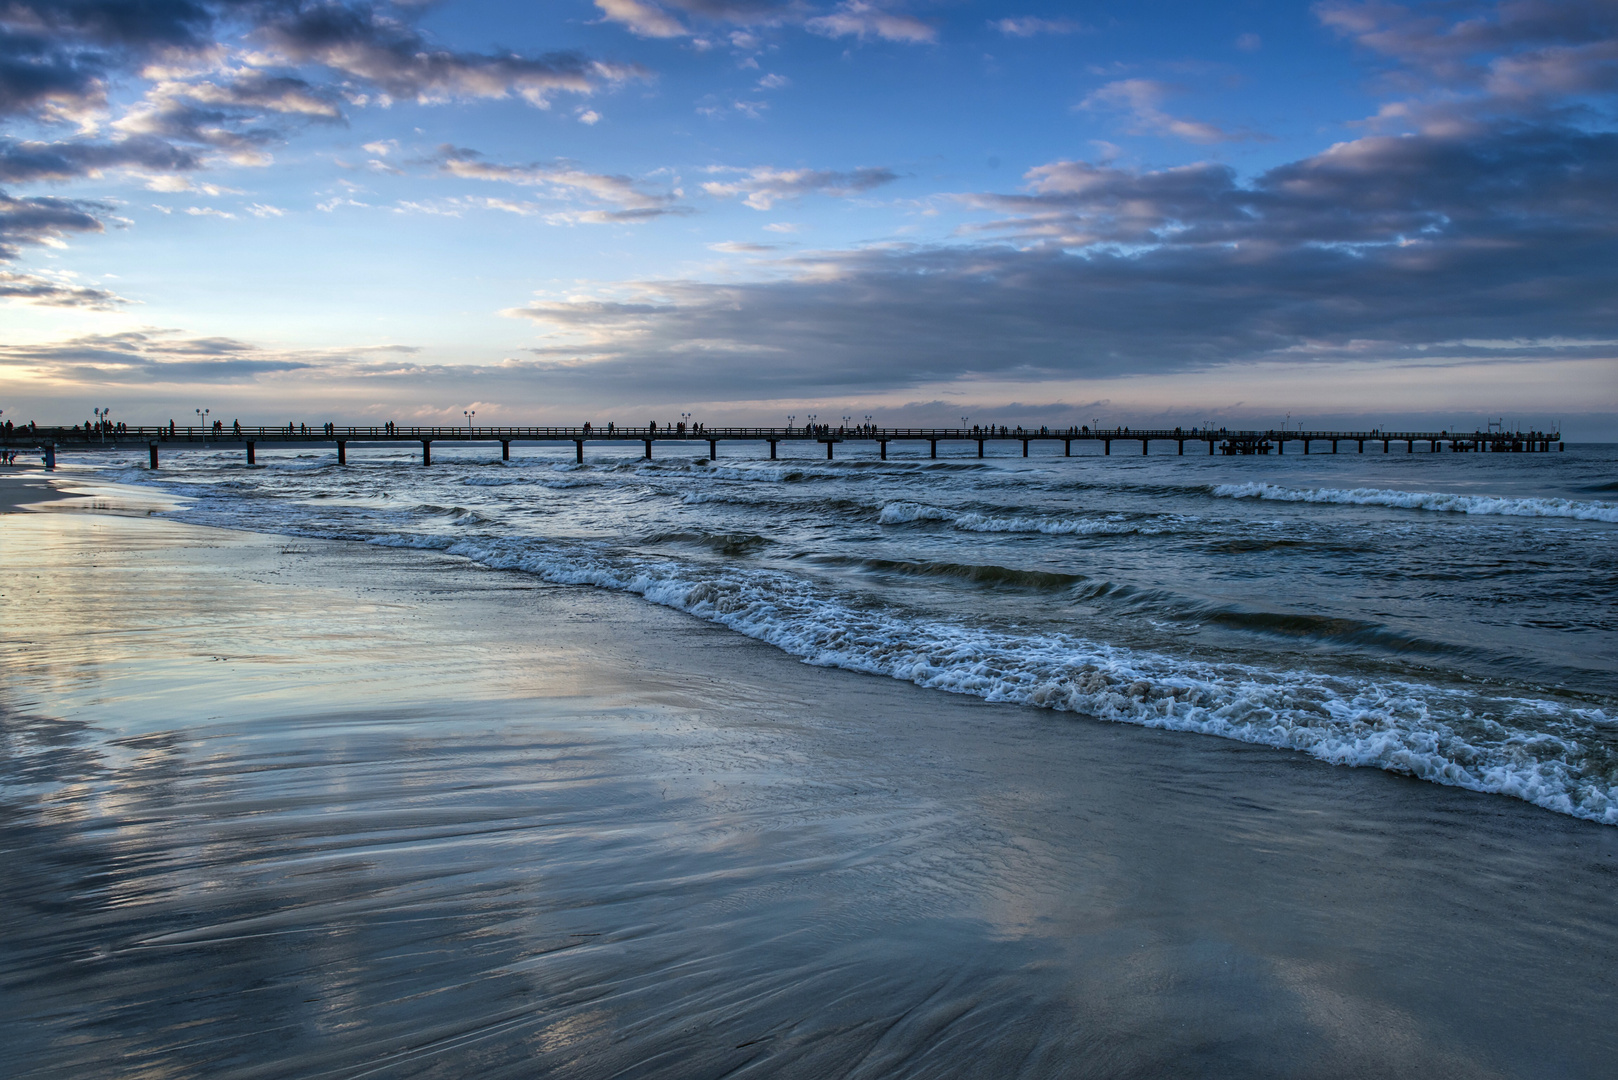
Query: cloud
(1142, 100)
(1464, 63)
(24, 161)
(152, 356)
(764, 187)
(1391, 248)
(642, 19)
(1249, 43)
(1033, 26)
(741, 247)
(49, 292)
(45, 220)
(563, 180)
(396, 57)
(862, 20)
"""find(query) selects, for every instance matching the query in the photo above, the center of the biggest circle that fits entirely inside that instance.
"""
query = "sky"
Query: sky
(1339, 214)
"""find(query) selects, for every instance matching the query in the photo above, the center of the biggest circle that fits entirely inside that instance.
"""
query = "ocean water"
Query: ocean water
(1450, 617)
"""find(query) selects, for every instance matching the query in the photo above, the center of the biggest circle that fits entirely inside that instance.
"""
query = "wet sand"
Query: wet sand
(276, 807)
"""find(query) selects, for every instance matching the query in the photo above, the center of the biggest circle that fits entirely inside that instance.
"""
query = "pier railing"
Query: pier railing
(1218, 440)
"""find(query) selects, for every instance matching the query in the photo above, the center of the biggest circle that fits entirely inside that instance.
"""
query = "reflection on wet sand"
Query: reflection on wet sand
(301, 809)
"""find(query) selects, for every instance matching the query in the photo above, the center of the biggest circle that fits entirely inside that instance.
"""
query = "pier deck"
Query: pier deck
(53, 440)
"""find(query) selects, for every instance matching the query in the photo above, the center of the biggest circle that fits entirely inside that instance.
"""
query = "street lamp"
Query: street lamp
(101, 422)
(469, 413)
(202, 422)
(790, 419)
(964, 419)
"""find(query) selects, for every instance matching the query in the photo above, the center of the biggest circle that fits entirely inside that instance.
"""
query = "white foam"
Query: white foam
(1447, 736)
(903, 513)
(1593, 510)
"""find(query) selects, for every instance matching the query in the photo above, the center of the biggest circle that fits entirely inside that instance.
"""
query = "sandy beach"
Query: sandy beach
(287, 807)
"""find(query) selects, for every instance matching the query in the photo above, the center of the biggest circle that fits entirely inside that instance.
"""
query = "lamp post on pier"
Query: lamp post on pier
(469, 413)
(202, 422)
(101, 422)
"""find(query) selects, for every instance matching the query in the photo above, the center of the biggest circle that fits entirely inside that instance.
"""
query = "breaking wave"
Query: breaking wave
(1427, 500)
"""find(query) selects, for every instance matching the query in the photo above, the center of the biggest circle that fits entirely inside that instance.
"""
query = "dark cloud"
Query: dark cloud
(1422, 245)
(30, 161)
(42, 290)
(394, 56)
(149, 356)
(44, 220)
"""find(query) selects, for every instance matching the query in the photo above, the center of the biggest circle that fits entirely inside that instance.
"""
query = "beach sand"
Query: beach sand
(279, 807)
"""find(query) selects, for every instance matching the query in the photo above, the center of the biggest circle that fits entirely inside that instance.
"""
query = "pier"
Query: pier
(51, 441)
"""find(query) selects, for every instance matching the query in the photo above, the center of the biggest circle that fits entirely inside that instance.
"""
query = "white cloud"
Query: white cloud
(764, 186)
(859, 19)
(1032, 26)
(642, 19)
(1142, 99)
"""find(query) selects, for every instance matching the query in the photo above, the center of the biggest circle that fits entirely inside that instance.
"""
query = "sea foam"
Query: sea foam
(1593, 510)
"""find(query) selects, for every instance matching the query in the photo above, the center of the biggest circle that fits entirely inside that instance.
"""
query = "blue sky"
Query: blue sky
(1349, 212)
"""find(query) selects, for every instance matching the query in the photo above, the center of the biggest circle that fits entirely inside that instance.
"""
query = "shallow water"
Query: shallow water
(275, 807)
(1448, 616)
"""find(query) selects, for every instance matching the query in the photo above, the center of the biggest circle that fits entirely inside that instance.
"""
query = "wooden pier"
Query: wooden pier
(54, 440)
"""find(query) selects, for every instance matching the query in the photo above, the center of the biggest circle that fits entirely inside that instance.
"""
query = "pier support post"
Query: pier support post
(980, 448)
(151, 450)
(934, 443)
(1182, 447)
(828, 449)
(1280, 447)
(883, 443)
(1210, 447)
(578, 451)
(1384, 446)
(1106, 447)
(1334, 446)
(1306, 446)
(342, 452)
(505, 449)
(426, 451)
(713, 449)
(648, 443)
(1067, 447)
(250, 459)
(1410, 446)
(1362, 445)
(1025, 448)
(1143, 443)
(772, 449)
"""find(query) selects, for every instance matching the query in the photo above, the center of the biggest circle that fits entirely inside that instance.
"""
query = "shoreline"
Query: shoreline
(629, 838)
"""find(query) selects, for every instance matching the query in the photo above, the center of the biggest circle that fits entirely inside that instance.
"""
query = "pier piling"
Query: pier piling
(342, 451)
(883, 443)
(648, 443)
(250, 459)
(772, 449)
(426, 451)
(713, 449)
(505, 449)
(578, 451)
(151, 448)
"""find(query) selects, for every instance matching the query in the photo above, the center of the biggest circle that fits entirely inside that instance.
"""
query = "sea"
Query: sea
(1452, 617)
